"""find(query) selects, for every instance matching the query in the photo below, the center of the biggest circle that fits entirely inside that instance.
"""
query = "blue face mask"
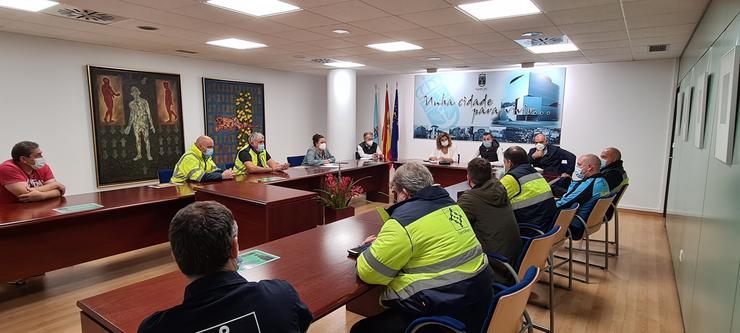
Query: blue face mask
(578, 174)
(487, 144)
(260, 147)
(209, 152)
(603, 163)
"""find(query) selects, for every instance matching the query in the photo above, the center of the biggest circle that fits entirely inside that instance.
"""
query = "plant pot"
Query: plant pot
(333, 215)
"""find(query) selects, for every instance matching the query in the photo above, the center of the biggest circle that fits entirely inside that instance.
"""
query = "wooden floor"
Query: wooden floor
(637, 294)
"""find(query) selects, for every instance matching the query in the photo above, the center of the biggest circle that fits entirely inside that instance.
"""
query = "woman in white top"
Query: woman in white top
(445, 152)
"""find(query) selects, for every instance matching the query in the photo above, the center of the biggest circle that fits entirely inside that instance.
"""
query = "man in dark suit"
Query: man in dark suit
(555, 161)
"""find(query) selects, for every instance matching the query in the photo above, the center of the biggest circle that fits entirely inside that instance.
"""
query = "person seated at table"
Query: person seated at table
(26, 177)
(588, 187)
(318, 154)
(368, 148)
(530, 194)
(488, 148)
(197, 164)
(612, 169)
(253, 158)
(427, 256)
(488, 209)
(444, 152)
(203, 238)
(554, 161)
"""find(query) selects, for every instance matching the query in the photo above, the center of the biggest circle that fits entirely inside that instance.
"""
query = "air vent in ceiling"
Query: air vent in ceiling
(658, 48)
(84, 15)
(186, 51)
(323, 60)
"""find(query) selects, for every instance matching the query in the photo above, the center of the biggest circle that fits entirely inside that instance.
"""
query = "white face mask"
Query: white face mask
(39, 163)
(540, 146)
(322, 146)
(369, 142)
(444, 143)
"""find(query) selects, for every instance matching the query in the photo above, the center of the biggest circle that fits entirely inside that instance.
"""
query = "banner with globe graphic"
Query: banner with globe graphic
(512, 105)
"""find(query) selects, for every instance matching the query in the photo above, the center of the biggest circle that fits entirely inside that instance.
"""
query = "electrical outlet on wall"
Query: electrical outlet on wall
(680, 255)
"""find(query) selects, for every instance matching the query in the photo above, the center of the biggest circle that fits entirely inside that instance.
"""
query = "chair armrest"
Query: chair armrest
(444, 321)
(527, 227)
(505, 262)
(579, 219)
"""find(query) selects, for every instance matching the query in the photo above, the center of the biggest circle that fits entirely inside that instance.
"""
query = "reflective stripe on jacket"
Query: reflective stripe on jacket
(530, 195)
(259, 159)
(192, 166)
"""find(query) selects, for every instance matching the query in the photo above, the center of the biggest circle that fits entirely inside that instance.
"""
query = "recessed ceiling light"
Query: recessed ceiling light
(531, 34)
(395, 46)
(495, 9)
(255, 7)
(433, 58)
(344, 64)
(28, 5)
(147, 27)
(548, 44)
(236, 43)
(341, 31)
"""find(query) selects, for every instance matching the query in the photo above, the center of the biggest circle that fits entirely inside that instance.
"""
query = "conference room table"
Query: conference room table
(133, 218)
(315, 262)
(444, 175)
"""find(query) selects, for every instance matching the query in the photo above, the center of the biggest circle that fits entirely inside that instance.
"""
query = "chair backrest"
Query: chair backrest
(295, 160)
(164, 175)
(620, 193)
(508, 305)
(227, 166)
(536, 250)
(598, 213)
(565, 217)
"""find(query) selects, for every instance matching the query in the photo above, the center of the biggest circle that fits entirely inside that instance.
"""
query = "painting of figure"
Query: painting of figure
(137, 124)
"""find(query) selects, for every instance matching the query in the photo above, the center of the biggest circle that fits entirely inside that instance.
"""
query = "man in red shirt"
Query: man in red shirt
(27, 177)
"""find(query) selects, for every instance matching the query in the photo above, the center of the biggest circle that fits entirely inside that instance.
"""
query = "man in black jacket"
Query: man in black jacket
(488, 209)
(612, 168)
(488, 148)
(218, 298)
(555, 161)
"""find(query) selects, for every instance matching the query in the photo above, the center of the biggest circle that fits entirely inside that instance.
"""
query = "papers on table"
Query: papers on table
(330, 165)
(269, 179)
(254, 258)
(164, 185)
(77, 208)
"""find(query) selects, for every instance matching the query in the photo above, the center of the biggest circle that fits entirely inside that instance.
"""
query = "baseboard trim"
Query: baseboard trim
(641, 212)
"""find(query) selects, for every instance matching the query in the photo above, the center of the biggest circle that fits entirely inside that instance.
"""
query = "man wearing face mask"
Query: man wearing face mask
(203, 237)
(530, 194)
(253, 158)
(487, 207)
(197, 164)
(612, 169)
(26, 177)
(586, 190)
(368, 148)
(428, 257)
(488, 148)
(555, 161)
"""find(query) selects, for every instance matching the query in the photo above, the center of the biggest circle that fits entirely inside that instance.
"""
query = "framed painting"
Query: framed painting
(137, 123)
(233, 111)
(727, 105)
(702, 86)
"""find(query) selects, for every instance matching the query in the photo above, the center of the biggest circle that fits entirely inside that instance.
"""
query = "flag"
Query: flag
(376, 119)
(387, 127)
(394, 129)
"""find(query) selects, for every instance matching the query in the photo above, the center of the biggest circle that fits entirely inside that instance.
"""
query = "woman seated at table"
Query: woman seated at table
(318, 154)
(445, 152)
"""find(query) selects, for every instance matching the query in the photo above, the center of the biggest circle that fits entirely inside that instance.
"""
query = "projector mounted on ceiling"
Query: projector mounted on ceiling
(84, 15)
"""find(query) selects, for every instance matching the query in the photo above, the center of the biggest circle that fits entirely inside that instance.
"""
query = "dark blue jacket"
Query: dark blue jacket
(227, 299)
(552, 161)
(585, 192)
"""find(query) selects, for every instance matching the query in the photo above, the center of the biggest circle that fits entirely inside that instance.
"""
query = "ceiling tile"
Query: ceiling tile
(656, 7)
(598, 37)
(550, 31)
(371, 38)
(604, 45)
(349, 11)
(465, 28)
(521, 23)
(609, 58)
(328, 30)
(313, 3)
(646, 21)
(437, 17)
(493, 46)
(586, 14)
(12, 14)
(617, 51)
(684, 29)
(302, 19)
(413, 34)
(591, 27)
(300, 35)
(437, 42)
(397, 7)
(334, 43)
(162, 4)
(385, 24)
(553, 5)
(480, 38)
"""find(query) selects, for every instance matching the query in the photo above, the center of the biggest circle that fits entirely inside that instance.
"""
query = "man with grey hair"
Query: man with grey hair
(587, 187)
(427, 256)
(253, 158)
(368, 149)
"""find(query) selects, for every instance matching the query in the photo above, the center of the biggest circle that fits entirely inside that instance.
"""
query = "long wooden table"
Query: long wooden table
(135, 218)
(315, 262)
(444, 175)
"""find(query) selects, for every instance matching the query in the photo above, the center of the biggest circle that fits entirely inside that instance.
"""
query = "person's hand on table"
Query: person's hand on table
(432, 158)
(369, 239)
(326, 161)
(227, 174)
(31, 196)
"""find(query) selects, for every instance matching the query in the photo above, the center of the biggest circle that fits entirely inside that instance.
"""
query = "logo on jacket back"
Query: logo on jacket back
(455, 218)
(245, 323)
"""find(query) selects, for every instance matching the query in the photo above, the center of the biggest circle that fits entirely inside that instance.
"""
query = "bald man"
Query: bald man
(612, 169)
(197, 165)
(587, 187)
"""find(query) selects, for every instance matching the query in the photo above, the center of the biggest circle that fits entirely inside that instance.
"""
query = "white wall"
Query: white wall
(341, 111)
(44, 94)
(626, 105)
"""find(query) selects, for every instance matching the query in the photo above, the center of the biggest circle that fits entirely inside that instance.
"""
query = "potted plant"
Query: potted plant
(336, 195)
